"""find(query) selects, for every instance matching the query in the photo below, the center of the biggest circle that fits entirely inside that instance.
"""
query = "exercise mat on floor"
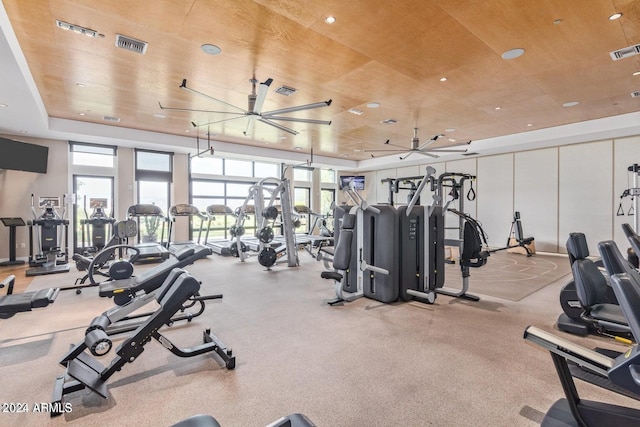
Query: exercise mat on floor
(511, 276)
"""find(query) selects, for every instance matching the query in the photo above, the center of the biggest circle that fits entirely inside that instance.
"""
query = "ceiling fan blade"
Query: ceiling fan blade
(381, 150)
(262, 94)
(395, 145)
(278, 126)
(431, 141)
(428, 154)
(294, 119)
(217, 121)
(298, 108)
(408, 154)
(446, 150)
(188, 89)
(197, 110)
(249, 127)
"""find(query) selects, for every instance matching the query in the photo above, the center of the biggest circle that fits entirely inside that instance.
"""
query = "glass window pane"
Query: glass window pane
(155, 193)
(207, 188)
(328, 176)
(238, 190)
(89, 159)
(301, 174)
(238, 168)
(153, 161)
(206, 165)
(87, 148)
(266, 170)
(327, 197)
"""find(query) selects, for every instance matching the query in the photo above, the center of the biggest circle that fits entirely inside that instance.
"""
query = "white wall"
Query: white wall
(536, 196)
(495, 197)
(586, 192)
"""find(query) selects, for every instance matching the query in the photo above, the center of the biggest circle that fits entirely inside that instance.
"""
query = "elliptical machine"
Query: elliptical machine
(51, 229)
(96, 226)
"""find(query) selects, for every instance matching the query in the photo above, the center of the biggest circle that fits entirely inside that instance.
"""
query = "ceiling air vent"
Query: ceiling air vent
(111, 119)
(635, 94)
(625, 52)
(286, 90)
(131, 44)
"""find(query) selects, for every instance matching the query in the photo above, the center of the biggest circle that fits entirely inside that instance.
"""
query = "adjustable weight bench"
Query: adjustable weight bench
(124, 290)
(11, 303)
(83, 371)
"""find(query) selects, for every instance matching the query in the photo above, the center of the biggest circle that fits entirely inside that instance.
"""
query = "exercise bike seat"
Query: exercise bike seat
(11, 303)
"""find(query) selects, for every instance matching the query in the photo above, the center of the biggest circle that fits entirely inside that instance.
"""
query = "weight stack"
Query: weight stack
(380, 249)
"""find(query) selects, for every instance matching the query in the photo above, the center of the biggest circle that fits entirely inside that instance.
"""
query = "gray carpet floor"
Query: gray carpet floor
(453, 363)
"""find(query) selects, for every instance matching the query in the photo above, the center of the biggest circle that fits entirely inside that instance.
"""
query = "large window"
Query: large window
(302, 196)
(94, 203)
(226, 182)
(154, 174)
(83, 154)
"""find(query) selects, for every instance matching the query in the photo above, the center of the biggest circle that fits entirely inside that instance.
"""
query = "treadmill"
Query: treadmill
(184, 210)
(152, 217)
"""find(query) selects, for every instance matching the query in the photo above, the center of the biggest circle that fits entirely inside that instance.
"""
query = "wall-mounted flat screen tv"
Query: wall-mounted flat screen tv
(346, 180)
(21, 156)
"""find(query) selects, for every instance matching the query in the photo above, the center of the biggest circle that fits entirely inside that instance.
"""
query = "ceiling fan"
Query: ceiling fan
(254, 111)
(423, 148)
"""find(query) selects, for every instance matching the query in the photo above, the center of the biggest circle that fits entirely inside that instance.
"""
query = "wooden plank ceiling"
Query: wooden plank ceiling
(393, 53)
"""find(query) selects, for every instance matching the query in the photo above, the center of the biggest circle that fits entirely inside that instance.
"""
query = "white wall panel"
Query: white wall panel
(626, 153)
(586, 192)
(495, 197)
(536, 196)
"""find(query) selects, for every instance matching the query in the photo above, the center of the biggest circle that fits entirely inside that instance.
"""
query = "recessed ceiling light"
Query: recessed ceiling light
(615, 16)
(330, 19)
(452, 140)
(282, 137)
(373, 104)
(3, 105)
(356, 150)
(160, 116)
(513, 53)
(297, 148)
(498, 108)
(80, 85)
(529, 124)
(344, 155)
(188, 130)
(356, 111)
(211, 49)
(570, 104)
(557, 21)
(450, 130)
(443, 79)
(637, 73)
(82, 114)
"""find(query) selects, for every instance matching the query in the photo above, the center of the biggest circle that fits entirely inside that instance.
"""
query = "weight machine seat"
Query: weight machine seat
(11, 303)
(154, 277)
(292, 420)
(591, 287)
(342, 249)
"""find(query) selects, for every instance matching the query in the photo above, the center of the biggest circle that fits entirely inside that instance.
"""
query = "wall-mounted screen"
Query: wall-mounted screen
(22, 156)
(346, 180)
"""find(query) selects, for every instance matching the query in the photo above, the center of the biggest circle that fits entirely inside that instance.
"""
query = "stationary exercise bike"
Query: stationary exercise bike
(113, 262)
